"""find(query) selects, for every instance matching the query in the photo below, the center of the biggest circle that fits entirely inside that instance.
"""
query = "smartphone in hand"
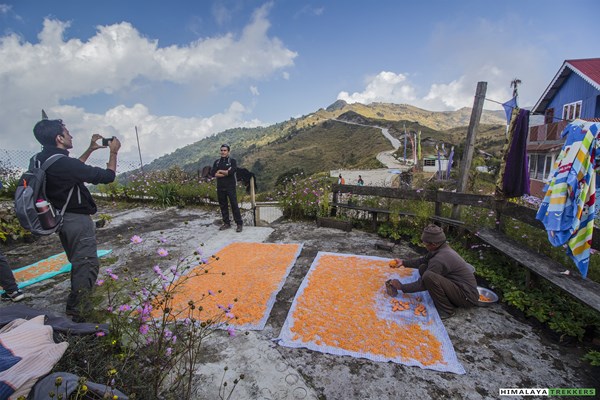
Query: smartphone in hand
(106, 141)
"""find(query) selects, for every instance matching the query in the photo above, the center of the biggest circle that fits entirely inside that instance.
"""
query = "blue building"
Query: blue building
(573, 93)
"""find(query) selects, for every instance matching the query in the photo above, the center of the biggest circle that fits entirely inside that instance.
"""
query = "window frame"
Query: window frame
(572, 110)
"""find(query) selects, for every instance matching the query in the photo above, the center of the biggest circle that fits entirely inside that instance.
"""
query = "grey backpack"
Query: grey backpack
(32, 188)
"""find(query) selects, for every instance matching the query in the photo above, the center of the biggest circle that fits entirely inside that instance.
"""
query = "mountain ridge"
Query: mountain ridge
(317, 143)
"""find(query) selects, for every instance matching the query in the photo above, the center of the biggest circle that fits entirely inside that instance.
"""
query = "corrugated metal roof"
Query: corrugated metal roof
(588, 69)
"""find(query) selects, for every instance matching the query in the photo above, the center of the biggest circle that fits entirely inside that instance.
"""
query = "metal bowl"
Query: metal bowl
(487, 293)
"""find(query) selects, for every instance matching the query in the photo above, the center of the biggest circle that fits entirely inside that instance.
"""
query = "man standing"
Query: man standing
(224, 170)
(78, 233)
(448, 278)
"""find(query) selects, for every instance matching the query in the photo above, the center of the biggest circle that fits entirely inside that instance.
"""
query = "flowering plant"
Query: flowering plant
(153, 346)
(304, 198)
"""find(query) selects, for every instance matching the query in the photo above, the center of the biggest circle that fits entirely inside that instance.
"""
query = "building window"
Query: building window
(540, 166)
(572, 111)
(429, 163)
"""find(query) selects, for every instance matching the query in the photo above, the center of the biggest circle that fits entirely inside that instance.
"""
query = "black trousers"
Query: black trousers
(7, 279)
(223, 195)
(78, 238)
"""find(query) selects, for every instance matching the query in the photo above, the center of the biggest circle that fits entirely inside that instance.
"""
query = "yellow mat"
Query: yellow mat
(245, 276)
(341, 308)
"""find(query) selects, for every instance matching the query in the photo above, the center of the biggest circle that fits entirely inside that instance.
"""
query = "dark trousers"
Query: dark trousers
(446, 294)
(78, 238)
(7, 279)
(222, 196)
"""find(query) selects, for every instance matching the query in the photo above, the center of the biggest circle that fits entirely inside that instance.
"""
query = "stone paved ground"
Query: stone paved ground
(497, 349)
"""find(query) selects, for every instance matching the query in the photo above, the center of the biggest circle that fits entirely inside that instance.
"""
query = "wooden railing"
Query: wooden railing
(545, 132)
(501, 207)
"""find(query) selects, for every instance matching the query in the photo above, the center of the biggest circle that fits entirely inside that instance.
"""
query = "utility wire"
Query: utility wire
(502, 104)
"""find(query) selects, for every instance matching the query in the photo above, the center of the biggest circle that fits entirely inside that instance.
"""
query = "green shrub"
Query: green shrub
(303, 198)
(593, 357)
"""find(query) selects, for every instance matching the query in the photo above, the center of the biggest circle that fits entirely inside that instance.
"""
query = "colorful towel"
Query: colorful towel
(341, 308)
(45, 269)
(568, 208)
(246, 276)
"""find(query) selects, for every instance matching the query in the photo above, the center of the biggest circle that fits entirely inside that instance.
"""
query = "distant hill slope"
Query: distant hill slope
(316, 142)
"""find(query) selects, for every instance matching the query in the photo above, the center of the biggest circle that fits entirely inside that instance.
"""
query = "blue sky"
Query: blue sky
(184, 70)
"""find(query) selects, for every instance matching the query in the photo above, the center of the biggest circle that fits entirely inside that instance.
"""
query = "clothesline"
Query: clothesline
(506, 105)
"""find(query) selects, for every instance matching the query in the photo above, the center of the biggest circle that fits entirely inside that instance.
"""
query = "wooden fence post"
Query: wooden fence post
(334, 200)
(467, 157)
(253, 202)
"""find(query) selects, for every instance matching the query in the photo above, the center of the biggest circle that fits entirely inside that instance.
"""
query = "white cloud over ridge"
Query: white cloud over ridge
(49, 73)
(503, 50)
(389, 87)
(384, 87)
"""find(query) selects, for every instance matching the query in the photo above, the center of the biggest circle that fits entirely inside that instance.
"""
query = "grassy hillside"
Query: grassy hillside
(323, 147)
(490, 138)
(317, 143)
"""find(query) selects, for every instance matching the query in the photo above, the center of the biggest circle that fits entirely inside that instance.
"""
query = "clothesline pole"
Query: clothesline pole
(467, 156)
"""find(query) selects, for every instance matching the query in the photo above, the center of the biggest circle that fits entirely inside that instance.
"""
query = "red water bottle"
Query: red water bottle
(42, 205)
(45, 214)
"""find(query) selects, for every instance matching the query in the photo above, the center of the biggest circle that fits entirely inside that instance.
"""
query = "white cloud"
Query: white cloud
(5, 8)
(285, 75)
(254, 91)
(310, 10)
(157, 135)
(388, 87)
(221, 13)
(492, 52)
(384, 87)
(54, 72)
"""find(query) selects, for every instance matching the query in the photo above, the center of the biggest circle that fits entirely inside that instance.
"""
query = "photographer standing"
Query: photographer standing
(224, 170)
(65, 184)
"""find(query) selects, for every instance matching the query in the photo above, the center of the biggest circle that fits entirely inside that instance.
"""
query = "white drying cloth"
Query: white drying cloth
(323, 317)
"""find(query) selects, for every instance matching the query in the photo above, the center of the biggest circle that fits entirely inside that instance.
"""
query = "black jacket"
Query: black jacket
(69, 172)
(230, 180)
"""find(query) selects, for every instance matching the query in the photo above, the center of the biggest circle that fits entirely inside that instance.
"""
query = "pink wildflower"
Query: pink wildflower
(144, 329)
(100, 333)
(162, 252)
(231, 331)
(135, 239)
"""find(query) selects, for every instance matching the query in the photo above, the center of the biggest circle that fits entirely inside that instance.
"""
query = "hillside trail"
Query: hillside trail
(380, 176)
